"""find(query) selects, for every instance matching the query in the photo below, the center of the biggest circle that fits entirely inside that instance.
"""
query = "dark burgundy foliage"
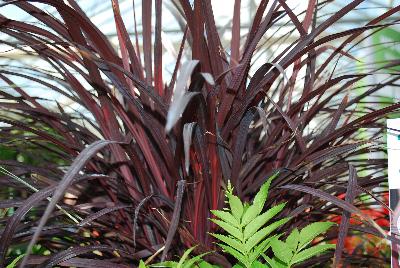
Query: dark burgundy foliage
(126, 187)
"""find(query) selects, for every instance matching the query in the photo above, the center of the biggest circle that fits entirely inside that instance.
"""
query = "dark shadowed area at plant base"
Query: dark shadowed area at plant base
(266, 150)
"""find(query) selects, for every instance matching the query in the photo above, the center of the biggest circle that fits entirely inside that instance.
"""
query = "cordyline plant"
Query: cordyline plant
(132, 169)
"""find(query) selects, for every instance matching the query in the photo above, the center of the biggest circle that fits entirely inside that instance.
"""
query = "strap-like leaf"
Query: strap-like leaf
(79, 162)
(208, 78)
(13, 264)
(100, 213)
(338, 202)
(191, 262)
(176, 109)
(185, 256)
(180, 97)
(71, 252)
(345, 220)
(175, 218)
(187, 141)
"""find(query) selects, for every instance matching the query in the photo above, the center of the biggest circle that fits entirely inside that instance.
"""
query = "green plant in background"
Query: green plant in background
(295, 249)
(13, 264)
(248, 234)
(385, 48)
(184, 262)
(249, 237)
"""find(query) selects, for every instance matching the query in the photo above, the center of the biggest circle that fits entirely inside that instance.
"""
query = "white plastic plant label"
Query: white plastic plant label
(393, 150)
(393, 145)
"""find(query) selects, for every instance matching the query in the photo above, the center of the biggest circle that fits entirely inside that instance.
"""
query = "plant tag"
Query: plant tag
(393, 145)
(393, 150)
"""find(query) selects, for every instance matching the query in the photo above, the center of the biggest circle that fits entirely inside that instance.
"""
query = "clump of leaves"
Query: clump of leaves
(245, 124)
(295, 249)
(184, 262)
(248, 234)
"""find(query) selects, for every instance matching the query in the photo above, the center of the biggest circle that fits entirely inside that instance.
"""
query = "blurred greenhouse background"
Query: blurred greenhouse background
(368, 54)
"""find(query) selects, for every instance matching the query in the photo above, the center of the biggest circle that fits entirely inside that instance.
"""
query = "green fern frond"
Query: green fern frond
(246, 226)
(295, 250)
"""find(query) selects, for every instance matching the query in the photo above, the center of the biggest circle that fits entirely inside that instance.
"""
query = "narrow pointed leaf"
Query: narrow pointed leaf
(281, 250)
(236, 254)
(185, 256)
(195, 260)
(261, 248)
(229, 228)
(258, 202)
(227, 217)
(175, 217)
(187, 141)
(236, 206)
(310, 252)
(169, 264)
(232, 242)
(311, 231)
(261, 220)
(180, 96)
(293, 239)
(262, 194)
(76, 166)
(260, 235)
